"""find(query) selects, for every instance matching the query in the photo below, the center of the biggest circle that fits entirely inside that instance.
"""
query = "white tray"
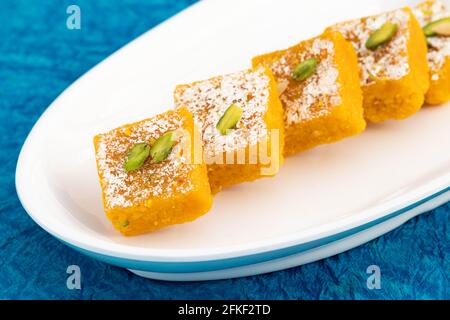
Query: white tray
(321, 203)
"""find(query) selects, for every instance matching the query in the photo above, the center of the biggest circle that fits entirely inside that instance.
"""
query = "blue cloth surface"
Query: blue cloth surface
(39, 58)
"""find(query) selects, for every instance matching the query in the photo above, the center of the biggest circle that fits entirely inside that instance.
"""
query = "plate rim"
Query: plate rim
(251, 248)
(430, 188)
(244, 260)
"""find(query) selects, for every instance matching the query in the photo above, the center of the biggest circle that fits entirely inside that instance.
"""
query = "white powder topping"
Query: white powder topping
(315, 96)
(122, 189)
(208, 100)
(389, 61)
(439, 46)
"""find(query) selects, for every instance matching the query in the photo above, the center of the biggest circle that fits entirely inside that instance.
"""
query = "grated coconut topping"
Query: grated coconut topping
(315, 96)
(390, 61)
(209, 99)
(122, 189)
(439, 46)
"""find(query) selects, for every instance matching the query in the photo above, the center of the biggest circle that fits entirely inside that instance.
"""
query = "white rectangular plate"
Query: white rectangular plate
(317, 196)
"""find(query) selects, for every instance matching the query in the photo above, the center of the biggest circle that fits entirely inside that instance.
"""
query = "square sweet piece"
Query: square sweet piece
(147, 175)
(326, 106)
(428, 13)
(393, 65)
(241, 121)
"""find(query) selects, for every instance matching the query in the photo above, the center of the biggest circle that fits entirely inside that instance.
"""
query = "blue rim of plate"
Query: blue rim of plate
(227, 263)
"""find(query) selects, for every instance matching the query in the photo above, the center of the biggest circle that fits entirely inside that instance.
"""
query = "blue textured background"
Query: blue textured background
(39, 58)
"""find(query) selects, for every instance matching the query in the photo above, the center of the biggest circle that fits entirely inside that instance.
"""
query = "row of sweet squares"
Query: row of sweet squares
(318, 91)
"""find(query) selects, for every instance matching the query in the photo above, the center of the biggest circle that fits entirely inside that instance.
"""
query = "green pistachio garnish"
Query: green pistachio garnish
(439, 27)
(304, 69)
(381, 35)
(162, 147)
(229, 119)
(137, 156)
(124, 223)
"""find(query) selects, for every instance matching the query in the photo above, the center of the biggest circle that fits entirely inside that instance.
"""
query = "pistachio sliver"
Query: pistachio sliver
(137, 156)
(439, 27)
(282, 86)
(162, 147)
(304, 69)
(229, 119)
(381, 35)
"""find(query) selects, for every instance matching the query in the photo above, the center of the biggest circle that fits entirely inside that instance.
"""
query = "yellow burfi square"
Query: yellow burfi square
(326, 106)
(253, 147)
(438, 52)
(394, 76)
(156, 195)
